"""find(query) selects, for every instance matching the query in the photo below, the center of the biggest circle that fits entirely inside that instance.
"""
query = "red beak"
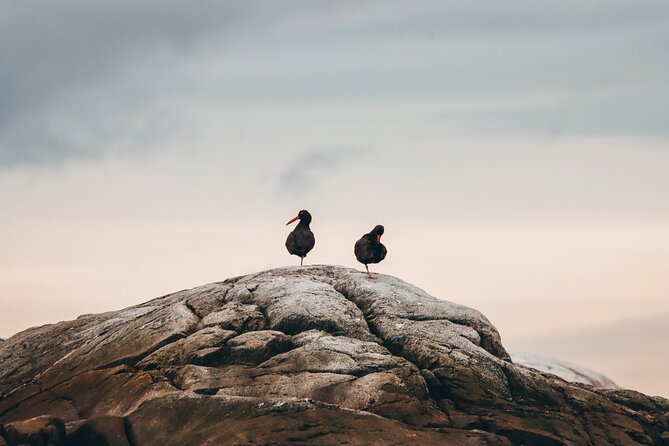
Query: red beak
(292, 220)
(378, 237)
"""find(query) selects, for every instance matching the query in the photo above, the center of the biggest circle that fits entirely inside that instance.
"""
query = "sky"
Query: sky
(517, 153)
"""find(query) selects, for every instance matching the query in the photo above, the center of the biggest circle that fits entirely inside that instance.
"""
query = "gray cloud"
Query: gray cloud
(59, 53)
(309, 169)
(82, 79)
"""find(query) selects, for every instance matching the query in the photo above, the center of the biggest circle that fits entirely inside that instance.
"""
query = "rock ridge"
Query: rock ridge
(307, 355)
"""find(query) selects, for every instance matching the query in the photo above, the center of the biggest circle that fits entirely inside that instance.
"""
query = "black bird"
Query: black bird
(369, 248)
(301, 240)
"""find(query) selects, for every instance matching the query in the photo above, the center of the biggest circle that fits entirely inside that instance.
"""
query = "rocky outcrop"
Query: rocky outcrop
(311, 355)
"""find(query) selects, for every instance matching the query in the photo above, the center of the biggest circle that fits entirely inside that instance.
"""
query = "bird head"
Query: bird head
(377, 232)
(303, 216)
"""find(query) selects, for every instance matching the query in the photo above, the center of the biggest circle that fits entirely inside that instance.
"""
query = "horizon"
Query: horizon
(516, 154)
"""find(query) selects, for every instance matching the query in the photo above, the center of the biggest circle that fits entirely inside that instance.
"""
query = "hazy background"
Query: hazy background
(517, 153)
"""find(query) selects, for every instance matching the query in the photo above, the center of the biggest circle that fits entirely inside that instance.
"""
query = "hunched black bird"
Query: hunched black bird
(369, 248)
(301, 240)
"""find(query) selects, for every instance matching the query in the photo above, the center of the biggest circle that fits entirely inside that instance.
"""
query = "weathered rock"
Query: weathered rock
(294, 302)
(350, 373)
(26, 354)
(100, 431)
(128, 343)
(312, 355)
(334, 354)
(256, 346)
(236, 316)
(208, 299)
(38, 431)
(405, 307)
(187, 420)
(195, 349)
(114, 391)
(246, 381)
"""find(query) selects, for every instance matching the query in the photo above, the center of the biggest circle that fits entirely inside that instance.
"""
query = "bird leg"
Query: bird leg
(368, 273)
(301, 260)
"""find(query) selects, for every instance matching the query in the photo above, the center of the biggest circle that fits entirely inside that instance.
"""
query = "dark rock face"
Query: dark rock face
(311, 355)
(38, 431)
(100, 431)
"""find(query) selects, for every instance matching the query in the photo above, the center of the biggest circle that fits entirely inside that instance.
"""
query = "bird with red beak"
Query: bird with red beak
(301, 240)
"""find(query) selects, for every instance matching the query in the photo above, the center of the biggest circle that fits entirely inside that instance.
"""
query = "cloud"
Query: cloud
(308, 170)
(84, 79)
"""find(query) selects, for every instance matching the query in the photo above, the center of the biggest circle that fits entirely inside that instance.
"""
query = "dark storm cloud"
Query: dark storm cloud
(83, 79)
(310, 168)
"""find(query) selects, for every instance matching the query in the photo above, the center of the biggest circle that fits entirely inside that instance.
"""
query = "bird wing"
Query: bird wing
(309, 241)
(363, 250)
(382, 252)
(300, 242)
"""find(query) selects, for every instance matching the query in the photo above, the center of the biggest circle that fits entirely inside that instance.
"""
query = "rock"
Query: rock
(350, 373)
(126, 344)
(321, 353)
(195, 349)
(26, 354)
(236, 316)
(113, 391)
(565, 370)
(176, 421)
(208, 299)
(400, 307)
(256, 346)
(305, 355)
(297, 301)
(38, 431)
(99, 431)
(57, 352)
(245, 381)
